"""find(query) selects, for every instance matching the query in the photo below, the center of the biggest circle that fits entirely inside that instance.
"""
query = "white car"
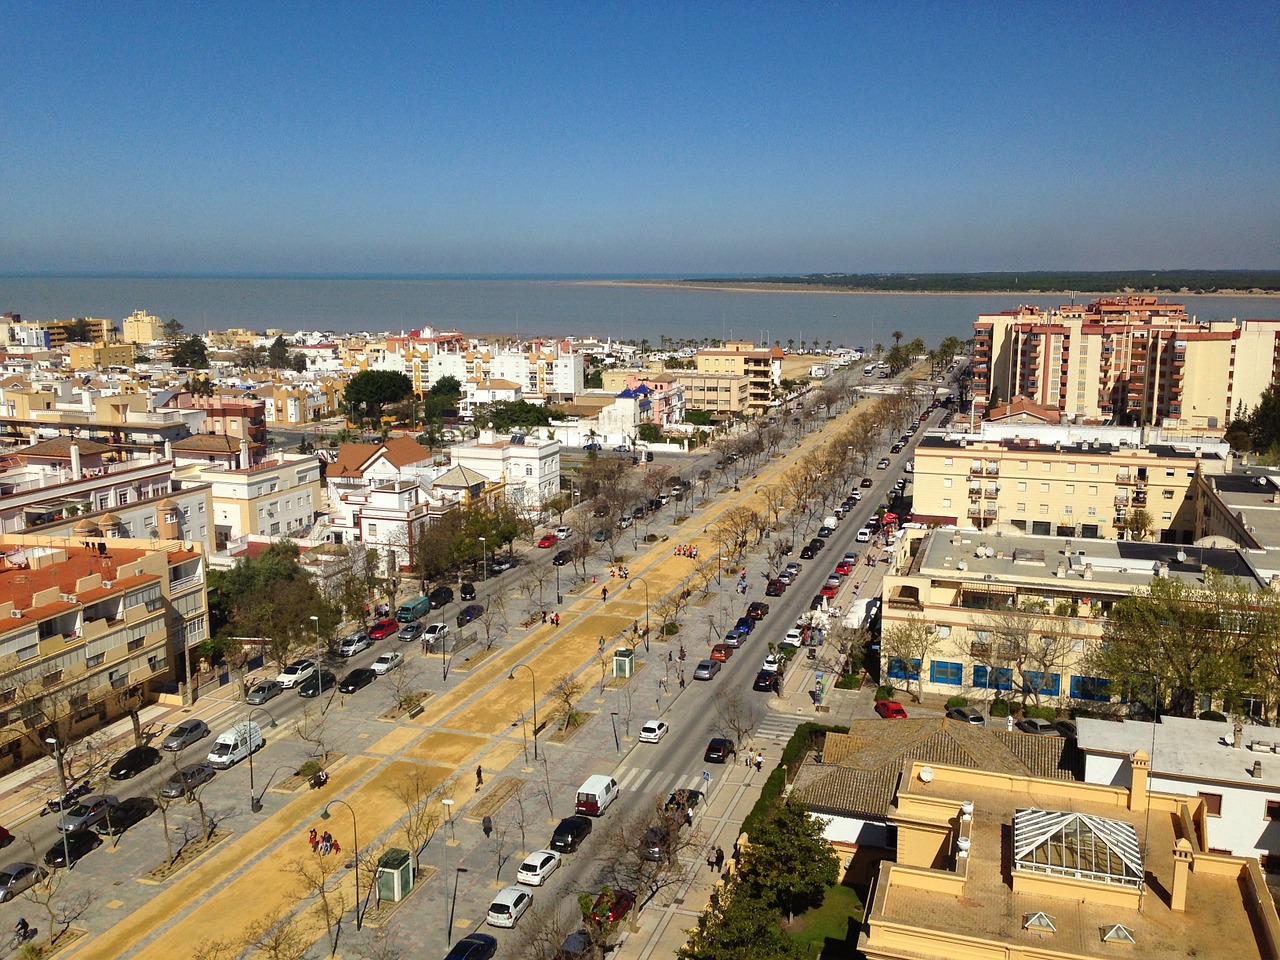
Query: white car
(508, 906)
(537, 867)
(353, 644)
(564, 533)
(794, 638)
(864, 535)
(653, 731)
(434, 633)
(386, 662)
(772, 662)
(295, 673)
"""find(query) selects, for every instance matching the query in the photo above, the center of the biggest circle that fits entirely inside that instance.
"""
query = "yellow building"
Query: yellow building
(142, 327)
(995, 866)
(723, 395)
(277, 497)
(98, 356)
(761, 365)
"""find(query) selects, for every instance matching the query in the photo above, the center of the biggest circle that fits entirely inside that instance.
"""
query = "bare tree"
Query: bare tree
(423, 814)
(321, 880)
(909, 643)
(312, 728)
(404, 679)
(737, 713)
(500, 853)
(565, 690)
(62, 907)
(494, 619)
(280, 936)
(523, 795)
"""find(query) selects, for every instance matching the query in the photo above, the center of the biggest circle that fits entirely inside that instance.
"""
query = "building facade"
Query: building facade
(530, 468)
(762, 366)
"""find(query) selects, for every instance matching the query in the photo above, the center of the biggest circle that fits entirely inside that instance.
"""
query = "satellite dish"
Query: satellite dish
(926, 774)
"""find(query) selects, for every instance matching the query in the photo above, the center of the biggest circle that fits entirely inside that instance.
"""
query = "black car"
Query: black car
(816, 602)
(637, 513)
(130, 811)
(817, 543)
(474, 946)
(561, 558)
(467, 591)
(356, 679)
(78, 843)
(439, 597)
(682, 800)
(317, 684)
(719, 750)
(470, 612)
(569, 834)
(766, 681)
(807, 552)
(133, 762)
(824, 532)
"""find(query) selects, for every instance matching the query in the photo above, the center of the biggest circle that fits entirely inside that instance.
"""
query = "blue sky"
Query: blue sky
(683, 138)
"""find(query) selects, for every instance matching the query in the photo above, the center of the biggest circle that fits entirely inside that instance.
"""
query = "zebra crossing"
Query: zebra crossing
(648, 780)
(777, 727)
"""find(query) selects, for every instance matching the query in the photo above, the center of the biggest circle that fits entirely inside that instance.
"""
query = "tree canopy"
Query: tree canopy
(446, 386)
(278, 354)
(505, 414)
(190, 352)
(371, 390)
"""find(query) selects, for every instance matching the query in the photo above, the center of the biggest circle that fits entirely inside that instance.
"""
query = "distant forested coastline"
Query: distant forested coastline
(1048, 281)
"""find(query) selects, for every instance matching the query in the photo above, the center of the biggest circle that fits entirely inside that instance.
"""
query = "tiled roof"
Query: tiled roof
(208, 443)
(460, 476)
(404, 450)
(60, 447)
(860, 770)
(351, 459)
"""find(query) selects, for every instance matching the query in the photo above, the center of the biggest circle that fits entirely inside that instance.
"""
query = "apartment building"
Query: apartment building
(277, 496)
(723, 395)
(360, 467)
(100, 356)
(91, 626)
(665, 392)
(1128, 360)
(141, 327)
(476, 393)
(530, 468)
(761, 365)
(1046, 480)
(968, 586)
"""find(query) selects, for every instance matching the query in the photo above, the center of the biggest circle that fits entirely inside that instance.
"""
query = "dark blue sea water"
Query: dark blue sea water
(529, 307)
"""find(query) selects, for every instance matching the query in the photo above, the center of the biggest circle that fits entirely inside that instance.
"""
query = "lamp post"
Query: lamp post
(316, 621)
(355, 849)
(62, 783)
(444, 887)
(253, 805)
(533, 679)
(630, 581)
(255, 802)
(484, 562)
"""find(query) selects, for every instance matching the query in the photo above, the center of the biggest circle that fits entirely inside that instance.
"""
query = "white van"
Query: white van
(831, 521)
(235, 744)
(595, 795)
(864, 535)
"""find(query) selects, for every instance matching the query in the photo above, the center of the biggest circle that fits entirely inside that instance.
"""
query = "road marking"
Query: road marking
(622, 784)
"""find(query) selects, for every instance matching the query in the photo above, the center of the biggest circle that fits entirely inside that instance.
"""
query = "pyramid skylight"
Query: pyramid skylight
(1077, 845)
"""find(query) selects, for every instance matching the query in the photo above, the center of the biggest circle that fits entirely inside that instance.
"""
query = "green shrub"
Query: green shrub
(850, 681)
(999, 708)
(769, 795)
(1042, 713)
(957, 702)
(884, 692)
(670, 628)
(1213, 715)
(309, 769)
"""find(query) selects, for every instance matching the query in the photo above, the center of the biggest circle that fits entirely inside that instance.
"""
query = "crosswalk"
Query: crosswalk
(777, 727)
(648, 780)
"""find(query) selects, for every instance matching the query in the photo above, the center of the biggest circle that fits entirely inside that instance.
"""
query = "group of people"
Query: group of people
(323, 844)
(689, 550)
(715, 859)
(551, 618)
(621, 572)
(757, 761)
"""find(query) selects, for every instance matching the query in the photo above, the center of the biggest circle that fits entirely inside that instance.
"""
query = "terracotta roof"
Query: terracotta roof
(208, 443)
(404, 450)
(498, 384)
(60, 448)
(1023, 407)
(860, 770)
(459, 477)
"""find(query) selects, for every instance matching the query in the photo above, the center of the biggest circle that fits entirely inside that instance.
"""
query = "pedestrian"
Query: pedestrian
(759, 761)
(479, 777)
(688, 816)
(544, 616)
(487, 826)
(326, 843)
(682, 681)
(314, 840)
(555, 619)
(602, 643)
(670, 656)
(719, 859)
(336, 847)
(604, 594)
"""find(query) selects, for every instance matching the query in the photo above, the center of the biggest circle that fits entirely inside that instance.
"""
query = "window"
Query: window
(1022, 486)
(1022, 465)
(1044, 488)
(1090, 530)
(1034, 680)
(1170, 472)
(1068, 509)
(1093, 468)
(1167, 494)
(1093, 512)
(372, 530)
(528, 470)
(946, 503)
(1040, 528)
(1071, 488)
(1273, 809)
(899, 669)
(1090, 688)
(948, 462)
(941, 671)
(1071, 468)
(1166, 516)
(1022, 508)
(1044, 508)
(1093, 490)
(946, 481)
(986, 678)
(1047, 466)
(1212, 804)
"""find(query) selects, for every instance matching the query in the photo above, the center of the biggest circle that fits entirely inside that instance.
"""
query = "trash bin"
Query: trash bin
(395, 875)
(624, 663)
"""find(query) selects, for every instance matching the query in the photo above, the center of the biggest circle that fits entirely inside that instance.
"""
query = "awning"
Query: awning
(988, 587)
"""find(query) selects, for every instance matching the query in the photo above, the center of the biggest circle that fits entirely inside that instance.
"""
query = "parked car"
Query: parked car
(434, 634)
(569, 834)
(411, 631)
(890, 710)
(793, 638)
(386, 662)
(474, 946)
(537, 867)
(467, 591)
(825, 532)
(564, 532)
(624, 522)
(16, 877)
(758, 610)
(472, 611)
(562, 558)
(866, 482)
(773, 662)
(383, 629)
(185, 733)
(817, 543)
(706, 670)
(966, 715)
(1037, 726)
(600, 536)
(186, 780)
(787, 578)
(793, 568)
(612, 906)
(719, 750)
(816, 602)
(829, 591)
(548, 540)
(721, 652)
(844, 568)
(263, 691)
(766, 681)
(501, 564)
(132, 810)
(357, 679)
(882, 464)
(87, 812)
(508, 907)
(678, 801)
(735, 637)
(439, 597)
(746, 624)
(1065, 728)
(353, 644)
(317, 684)
(76, 845)
(653, 731)
(774, 588)
(658, 844)
(296, 672)
(133, 761)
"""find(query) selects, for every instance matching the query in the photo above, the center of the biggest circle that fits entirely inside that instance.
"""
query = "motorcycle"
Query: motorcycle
(59, 804)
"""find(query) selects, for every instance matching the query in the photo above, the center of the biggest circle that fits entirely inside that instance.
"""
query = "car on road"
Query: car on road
(16, 877)
(563, 532)
(263, 691)
(508, 907)
(658, 844)
(807, 552)
(384, 628)
(467, 591)
(600, 536)
(411, 631)
(866, 482)
(569, 833)
(548, 540)
(757, 610)
(357, 679)
(87, 812)
(78, 843)
(766, 681)
(623, 522)
(386, 662)
(353, 644)
(882, 463)
(317, 684)
(794, 568)
(184, 734)
(721, 652)
(132, 810)
(501, 564)
(794, 638)
(653, 731)
(774, 588)
(537, 867)
(440, 596)
(296, 672)
(1037, 726)
(562, 558)
(896, 448)
(864, 535)
(735, 637)
(719, 750)
(825, 531)
(472, 611)
(186, 780)
(786, 578)
(706, 670)
(773, 662)
(611, 906)
(474, 946)
(966, 715)
(817, 602)
(817, 543)
(678, 801)
(829, 590)
(746, 624)
(890, 710)
(434, 634)
(133, 761)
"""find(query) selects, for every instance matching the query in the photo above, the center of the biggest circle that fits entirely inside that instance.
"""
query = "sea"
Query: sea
(532, 307)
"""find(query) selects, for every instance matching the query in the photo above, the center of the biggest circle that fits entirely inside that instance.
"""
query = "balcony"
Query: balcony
(991, 492)
(975, 513)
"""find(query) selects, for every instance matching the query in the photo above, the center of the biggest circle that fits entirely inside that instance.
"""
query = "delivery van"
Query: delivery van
(595, 795)
(235, 744)
(832, 521)
(414, 609)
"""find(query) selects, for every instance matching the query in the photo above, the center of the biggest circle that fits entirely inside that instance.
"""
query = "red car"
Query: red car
(890, 710)
(548, 540)
(383, 629)
(611, 906)
(829, 590)
(844, 568)
(721, 652)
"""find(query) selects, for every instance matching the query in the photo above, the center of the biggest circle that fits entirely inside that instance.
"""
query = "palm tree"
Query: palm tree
(828, 346)
(897, 337)
(791, 345)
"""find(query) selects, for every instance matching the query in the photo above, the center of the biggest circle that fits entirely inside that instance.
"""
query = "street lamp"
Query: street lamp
(255, 802)
(316, 621)
(533, 679)
(444, 887)
(630, 581)
(248, 720)
(355, 849)
(484, 562)
(62, 783)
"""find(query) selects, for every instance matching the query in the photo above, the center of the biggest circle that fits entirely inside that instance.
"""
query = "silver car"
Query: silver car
(186, 780)
(87, 812)
(353, 644)
(16, 877)
(264, 691)
(706, 669)
(185, 733)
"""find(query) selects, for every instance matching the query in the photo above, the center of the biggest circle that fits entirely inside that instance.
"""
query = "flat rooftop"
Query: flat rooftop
(1186, 747)
(1166, 451)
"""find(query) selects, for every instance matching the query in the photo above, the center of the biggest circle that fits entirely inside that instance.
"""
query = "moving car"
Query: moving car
(317, 684)
(16, 877)
(563, 532)
(706, 670)
(569, 833)
(132, 810)
(653, 731)
(133, 762)
(719, 750)
(472, 611)
(296, 672)
(87, 812)
(882, 463)
(357, 679)
(467, 591)
(890, 710)
(474, 946)
(966, 715)
(383, 629)
(537, 867)
(78, 843)
(866, 482)
(186, 780)
(353, 644)
(508, 907)
(562, 558)
(185, 733)
(263, 691)
(548, 540)
(386, 662)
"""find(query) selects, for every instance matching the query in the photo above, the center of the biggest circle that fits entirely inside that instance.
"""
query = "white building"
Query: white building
(476, 393)
(530, 467)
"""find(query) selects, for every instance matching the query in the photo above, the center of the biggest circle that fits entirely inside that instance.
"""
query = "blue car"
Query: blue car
(745, 624)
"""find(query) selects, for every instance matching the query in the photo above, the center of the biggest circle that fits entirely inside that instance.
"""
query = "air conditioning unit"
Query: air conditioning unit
(16, 614)
(107, 584)
(68, 597)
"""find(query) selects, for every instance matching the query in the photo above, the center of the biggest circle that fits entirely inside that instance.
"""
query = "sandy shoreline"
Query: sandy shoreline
(744, 287)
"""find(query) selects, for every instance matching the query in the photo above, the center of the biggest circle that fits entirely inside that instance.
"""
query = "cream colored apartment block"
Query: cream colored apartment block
(141, 327)
(277, 497)
(721, 394)
(1079, 489)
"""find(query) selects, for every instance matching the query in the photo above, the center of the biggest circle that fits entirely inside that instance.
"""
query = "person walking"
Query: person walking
(487, 826)
(759, 761)
(314, 840)
(604, 594)
(719, 860)
(479, 776)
